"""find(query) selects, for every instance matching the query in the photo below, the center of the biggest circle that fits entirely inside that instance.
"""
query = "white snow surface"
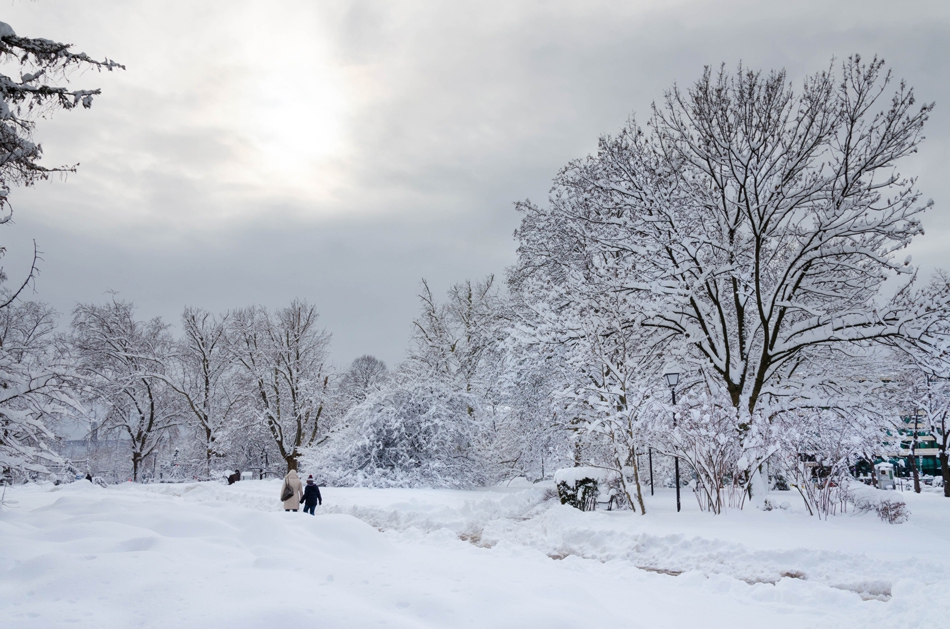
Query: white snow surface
(571, 475)
(211, 555)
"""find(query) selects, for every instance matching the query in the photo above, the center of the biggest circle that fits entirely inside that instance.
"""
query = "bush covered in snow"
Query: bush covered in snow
(584, 487)
(409, 435)
(720, 444)
(815, 452)
(888, 505)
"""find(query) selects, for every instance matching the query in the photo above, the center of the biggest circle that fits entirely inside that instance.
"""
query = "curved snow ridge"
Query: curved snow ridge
(529, 519)
(256, 495)
(466, 520)
(561, 532)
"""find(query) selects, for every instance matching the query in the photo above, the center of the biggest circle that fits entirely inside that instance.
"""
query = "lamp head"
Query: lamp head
(672, 376)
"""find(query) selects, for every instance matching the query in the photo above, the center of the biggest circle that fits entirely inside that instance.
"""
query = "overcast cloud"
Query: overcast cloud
(254, 152)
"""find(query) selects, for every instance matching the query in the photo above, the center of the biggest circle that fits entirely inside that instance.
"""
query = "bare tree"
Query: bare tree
(37, 384)
(366, 375)
(283, 359)
(124, 363)
(205, 378)
(460, 338)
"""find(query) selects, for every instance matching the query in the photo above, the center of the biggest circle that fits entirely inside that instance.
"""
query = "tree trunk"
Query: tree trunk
(913, 463)
(209, 452)
(632, 462)
(945, 471)
(636, 479)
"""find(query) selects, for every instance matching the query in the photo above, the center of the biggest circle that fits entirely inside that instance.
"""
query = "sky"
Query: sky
(339, 152)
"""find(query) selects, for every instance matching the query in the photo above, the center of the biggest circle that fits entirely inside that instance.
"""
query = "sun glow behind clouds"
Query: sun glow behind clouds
(297, 116)
(291, 107)
(228, 110)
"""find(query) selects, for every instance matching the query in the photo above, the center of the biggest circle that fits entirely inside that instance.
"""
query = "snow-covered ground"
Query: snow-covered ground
(209, 555)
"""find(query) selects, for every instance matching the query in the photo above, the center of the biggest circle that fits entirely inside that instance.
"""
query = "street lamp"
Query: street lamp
(672, 379)
(672, 376)
(650, 460)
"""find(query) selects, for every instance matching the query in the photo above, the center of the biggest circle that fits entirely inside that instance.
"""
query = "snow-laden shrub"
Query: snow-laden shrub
(408, 435)
(719, 444)
(888, 505)
(815, 450)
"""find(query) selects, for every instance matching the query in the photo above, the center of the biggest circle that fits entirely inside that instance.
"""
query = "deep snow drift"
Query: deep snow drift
(209, 555)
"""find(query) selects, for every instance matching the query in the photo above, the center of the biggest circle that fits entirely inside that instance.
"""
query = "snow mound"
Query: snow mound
(571, 475)
(888, 505)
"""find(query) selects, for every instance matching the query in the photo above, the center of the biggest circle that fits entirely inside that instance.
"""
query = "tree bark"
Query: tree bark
(945, 471)
(913, 462)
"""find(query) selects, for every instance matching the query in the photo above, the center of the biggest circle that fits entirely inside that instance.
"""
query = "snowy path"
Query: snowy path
(207, 555)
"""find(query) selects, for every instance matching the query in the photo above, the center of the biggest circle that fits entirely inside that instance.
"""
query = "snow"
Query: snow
(212, 555)
(571, 475)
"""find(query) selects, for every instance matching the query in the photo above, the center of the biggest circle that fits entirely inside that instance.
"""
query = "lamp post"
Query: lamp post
(913, 451)
(672, 378)
(650, 459)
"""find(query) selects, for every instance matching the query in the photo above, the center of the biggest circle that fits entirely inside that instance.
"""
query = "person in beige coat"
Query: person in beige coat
(292, 481)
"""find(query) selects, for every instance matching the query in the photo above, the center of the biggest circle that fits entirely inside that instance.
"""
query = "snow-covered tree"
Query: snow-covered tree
(33, 377)
(936, 407)
(459, 340)
(37, 385)
(749, 233)
(366, 375)
(459, 344)
(23, 100)
(411, 434)
(205, 377)
(719, 443)
(283, 356)
(35, 94)
(924, 371)
(750, 224)
(608, 378)
(124, 363)
(533, 440)
(435, 420)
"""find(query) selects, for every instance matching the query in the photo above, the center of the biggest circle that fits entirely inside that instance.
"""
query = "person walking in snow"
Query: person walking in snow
(311, 496)
(291, 491)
